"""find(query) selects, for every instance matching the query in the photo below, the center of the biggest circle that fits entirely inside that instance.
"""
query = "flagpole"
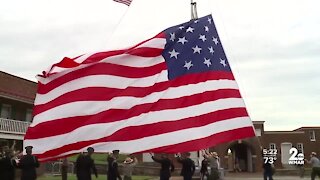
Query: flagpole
(194, 14)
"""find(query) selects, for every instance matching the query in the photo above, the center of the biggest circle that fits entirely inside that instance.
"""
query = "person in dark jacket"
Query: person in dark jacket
(268, 171)
(28, 164)
(204, 173)
(7, 166)
(64, 168)
(85, 166)
(166, 166)
(113, 171)
(188, 166)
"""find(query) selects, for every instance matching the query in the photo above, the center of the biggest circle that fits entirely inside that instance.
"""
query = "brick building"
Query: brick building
(16, 102)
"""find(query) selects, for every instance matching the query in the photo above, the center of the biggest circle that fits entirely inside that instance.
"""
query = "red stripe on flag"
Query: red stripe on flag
(209, 141)
(145, 52)
(103, 69)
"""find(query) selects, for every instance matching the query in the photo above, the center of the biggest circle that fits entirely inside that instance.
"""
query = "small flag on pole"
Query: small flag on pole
(172, 93)
(126, 2)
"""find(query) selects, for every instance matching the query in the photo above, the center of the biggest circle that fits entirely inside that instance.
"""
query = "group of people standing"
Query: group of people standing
(188, 166)
(27, 163)
(85, 166)
(210, 160)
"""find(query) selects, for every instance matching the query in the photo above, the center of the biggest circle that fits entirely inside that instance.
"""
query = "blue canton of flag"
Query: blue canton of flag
(194, 47)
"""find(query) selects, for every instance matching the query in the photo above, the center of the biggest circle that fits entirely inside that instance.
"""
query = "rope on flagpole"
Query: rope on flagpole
(117, 25)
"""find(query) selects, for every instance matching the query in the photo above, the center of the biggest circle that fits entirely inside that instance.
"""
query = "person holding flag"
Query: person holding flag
(113, 167)
(188, 166)
(28, 164)
(167, 166)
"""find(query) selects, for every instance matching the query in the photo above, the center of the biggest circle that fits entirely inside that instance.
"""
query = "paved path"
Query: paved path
(251, 177)
(261, 178)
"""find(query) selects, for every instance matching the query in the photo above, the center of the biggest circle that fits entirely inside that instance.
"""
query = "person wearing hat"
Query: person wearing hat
(85, 165)
(188, 166)
(128, 166)
(7, 165)
(214, 164)
(315, 162)
(166, 166)
(113, 171)
(28, 164)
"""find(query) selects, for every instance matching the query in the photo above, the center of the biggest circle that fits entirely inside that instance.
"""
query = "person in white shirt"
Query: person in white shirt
(315, 162)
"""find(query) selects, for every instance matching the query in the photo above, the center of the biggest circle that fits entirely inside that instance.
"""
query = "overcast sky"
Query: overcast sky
(273, 46)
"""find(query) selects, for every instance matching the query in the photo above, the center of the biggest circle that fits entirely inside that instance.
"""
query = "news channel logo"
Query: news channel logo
(296, 158)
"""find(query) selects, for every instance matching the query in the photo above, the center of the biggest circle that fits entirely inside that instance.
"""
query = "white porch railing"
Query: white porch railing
(13, 126)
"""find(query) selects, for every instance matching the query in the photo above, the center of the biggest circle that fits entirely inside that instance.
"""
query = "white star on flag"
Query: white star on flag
(172, 36)
(181, 27)
(188, 64)
(190, 29)
(211, 50)
(203, 37)
(196, 49)
(207, 62)
(206, 28)
(215, 40)
(223, 62)
(182, 40)
(174, 53)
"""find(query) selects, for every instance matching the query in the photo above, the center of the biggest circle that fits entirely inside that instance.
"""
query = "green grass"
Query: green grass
(100, 177)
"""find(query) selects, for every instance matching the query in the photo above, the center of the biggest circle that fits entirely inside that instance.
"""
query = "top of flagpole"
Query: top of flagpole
(194, 14)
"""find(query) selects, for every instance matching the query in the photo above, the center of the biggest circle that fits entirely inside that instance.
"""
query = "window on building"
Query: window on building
(272, 146)
(312, 136)
(29, 115)
(300, 147)
(6, 111)
(258, 132)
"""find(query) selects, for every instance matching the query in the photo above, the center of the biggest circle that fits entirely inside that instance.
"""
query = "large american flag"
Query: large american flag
(172, 93)
(126, 2)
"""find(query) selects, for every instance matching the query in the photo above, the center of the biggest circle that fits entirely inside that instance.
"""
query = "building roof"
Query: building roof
(17, 88)
(284, 132)
(307, 128)
(258, 122)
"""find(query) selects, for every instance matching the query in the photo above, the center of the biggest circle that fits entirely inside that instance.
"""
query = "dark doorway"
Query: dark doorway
(241, 157)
